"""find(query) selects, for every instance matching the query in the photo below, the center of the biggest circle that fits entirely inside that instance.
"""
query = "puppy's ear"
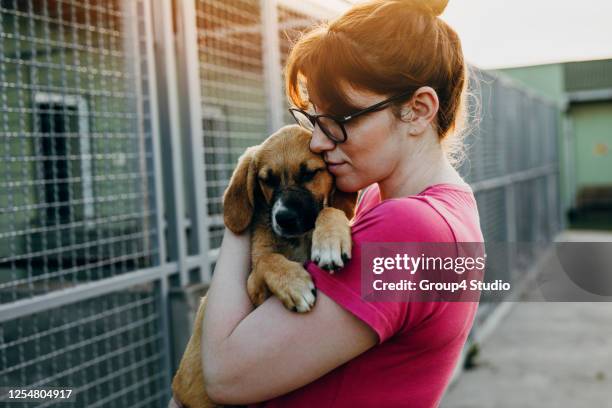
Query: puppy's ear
(238, 199)
(343, 201)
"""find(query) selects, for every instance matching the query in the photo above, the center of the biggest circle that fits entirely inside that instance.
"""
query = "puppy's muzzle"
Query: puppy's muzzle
(294, 212)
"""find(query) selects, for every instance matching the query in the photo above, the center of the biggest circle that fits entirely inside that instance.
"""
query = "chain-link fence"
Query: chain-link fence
(75, 181)
(512, 166)
(234, 110)
(121, 122)
(77, 202)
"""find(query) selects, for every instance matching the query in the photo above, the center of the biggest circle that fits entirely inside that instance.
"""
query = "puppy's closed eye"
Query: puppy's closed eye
(270, 179)
(307, 174)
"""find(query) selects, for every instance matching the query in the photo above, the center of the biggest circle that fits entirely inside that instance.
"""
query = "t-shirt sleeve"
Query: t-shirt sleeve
(394, 220)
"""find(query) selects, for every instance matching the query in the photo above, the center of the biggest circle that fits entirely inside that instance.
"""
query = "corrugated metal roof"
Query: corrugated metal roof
(588, 75)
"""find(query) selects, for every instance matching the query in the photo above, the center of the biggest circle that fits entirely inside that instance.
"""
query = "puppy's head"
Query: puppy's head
(290, 181)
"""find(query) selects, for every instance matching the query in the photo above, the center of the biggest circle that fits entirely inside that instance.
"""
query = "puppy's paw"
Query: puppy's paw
(294, 287)
(331, 240)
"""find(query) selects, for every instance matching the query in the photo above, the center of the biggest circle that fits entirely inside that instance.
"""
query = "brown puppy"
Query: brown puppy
(284, 194)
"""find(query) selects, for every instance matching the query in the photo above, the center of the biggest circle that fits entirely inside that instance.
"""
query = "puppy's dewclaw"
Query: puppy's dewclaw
(331, 240)
(256, 288)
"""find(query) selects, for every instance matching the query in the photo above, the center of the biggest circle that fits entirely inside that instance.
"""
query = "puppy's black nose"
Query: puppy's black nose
(286, 219)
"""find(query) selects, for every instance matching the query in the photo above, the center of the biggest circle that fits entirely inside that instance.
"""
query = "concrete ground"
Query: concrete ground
(543, 355)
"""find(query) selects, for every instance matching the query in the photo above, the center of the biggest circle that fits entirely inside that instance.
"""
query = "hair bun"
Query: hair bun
(437, 6)
(433, 7)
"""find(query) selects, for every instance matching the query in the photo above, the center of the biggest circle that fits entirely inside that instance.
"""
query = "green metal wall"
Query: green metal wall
(586, 145)
(548, 80)
(592, 123)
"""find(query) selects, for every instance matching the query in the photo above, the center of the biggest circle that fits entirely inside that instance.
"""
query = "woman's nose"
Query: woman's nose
(320, 143)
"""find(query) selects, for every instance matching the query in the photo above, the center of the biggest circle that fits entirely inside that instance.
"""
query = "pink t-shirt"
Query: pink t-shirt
(419, 342)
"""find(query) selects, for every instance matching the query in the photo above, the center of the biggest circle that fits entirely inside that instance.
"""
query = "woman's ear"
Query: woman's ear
(421, 110)
(343, 201)
(238, 199)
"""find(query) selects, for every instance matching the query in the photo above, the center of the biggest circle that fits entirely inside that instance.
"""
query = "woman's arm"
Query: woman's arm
(227, 300)
(254, 355)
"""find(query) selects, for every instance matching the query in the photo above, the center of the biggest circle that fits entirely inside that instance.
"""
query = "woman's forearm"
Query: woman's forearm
(227, 303)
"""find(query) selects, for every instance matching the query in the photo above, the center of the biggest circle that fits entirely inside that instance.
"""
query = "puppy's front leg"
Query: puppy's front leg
(331, 239)
(284, 278)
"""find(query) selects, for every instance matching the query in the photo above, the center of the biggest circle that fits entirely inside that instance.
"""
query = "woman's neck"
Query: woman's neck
(426, 167)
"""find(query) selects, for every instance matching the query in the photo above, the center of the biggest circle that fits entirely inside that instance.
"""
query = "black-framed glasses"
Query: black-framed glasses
(332, 125)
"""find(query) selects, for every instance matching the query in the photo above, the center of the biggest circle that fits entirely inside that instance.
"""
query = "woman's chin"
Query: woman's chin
(344, 183)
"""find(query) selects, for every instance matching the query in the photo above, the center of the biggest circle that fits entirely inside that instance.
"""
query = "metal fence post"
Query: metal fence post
(161, 286)
(271, 59)
(187, 48)
(156, 182)
(511, 237)
(169, 119)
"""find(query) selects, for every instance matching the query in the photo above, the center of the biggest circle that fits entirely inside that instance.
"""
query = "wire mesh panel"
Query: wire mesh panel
(291, 25)
(75, 202)
(524, 205)
(552, 140)
(512, 165)
(492, 211)
(511, 127)
(535, 134)
(474, 124)
(107, 349)
(234, 113)
(481, 127)
(507, 126)
(556, 210)
(491, 131)
(541, 209)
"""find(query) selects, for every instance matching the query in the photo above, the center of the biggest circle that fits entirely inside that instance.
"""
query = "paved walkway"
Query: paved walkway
(542, 355)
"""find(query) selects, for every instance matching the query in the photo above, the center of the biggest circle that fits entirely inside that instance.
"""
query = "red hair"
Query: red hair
(386, 47)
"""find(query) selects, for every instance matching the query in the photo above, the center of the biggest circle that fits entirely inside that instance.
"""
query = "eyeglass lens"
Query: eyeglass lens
(329, 126)
(302, 120)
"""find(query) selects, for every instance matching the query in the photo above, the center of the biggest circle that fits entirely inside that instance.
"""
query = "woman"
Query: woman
(400, 58)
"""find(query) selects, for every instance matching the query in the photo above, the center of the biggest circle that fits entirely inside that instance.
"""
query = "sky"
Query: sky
(510, 33)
